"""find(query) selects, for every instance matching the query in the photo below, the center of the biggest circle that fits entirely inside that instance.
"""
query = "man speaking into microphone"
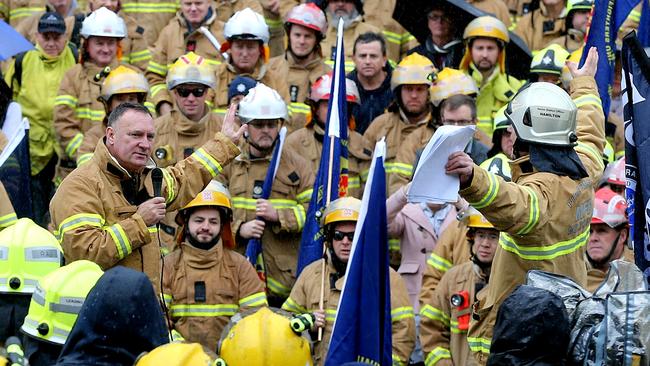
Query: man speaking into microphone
(106, 211)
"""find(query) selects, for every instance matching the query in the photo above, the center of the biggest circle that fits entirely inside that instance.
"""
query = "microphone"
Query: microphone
(156, 181)
(15, 351)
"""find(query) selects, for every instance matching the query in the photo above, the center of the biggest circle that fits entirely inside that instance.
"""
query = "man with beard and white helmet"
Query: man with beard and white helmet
(276, 221)
(302, 63)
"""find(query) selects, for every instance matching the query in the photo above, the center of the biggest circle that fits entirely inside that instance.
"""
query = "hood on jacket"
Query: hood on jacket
(120, 319)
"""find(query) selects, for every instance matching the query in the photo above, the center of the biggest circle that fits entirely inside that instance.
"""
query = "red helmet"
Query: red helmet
(609, 208)
(310, 16)
(320, 90)
(616, 172)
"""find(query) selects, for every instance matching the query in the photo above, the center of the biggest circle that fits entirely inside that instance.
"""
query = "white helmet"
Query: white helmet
(247, 24)
(262, 102)
(103, 23)
(543, 113)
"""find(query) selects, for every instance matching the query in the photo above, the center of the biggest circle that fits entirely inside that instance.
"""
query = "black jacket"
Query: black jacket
(120, 319)
(373, 102)
(448, 56)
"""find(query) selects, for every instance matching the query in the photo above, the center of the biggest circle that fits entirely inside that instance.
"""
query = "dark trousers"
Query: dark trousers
(42, 192)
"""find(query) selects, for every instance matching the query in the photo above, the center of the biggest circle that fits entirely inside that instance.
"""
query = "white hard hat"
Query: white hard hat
(247, 24)
(103, 23)
(262, 102)
(543, 113)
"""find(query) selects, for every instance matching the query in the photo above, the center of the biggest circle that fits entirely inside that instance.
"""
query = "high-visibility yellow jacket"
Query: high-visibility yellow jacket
(94, 209)
(204, 288)
(305, 297)
(543, 218)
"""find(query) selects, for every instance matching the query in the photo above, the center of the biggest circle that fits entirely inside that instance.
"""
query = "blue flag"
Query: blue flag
(15, 167)
(623, 9)
(602, 35)
(254, 247)
(644, 25)
(635, 87)
(362, 328)
(332, 177)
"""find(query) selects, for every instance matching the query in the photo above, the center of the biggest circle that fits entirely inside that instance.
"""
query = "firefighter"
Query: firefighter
(247, 37)
(484, 60)
(547, 64)
(76, 107)
(175, 354)
(52, 312)
(205, 282)
(120, 86)
(536, 233)
(503, 141)
(447, 309)
(615, 176)
(576, 22)
(302, 63)
(276, 221)
(179, 37)
(309, 139)
(107, 210)
(541, 26)
(411, 110)
(339, 222)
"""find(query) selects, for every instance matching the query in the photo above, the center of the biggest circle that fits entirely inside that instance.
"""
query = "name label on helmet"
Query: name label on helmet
(42, 254)
(4, 253)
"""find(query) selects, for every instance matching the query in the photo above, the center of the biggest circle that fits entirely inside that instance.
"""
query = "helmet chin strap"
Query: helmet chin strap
(600, 263)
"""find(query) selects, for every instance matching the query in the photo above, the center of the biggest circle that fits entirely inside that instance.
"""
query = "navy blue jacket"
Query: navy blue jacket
(373, 102)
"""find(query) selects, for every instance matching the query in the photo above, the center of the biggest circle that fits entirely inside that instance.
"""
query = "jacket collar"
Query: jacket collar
(186, 126)
(93, 69)
(207, 21)
(105, 160)
(291, 59)
(515, 168)
(201, 258)
(257, 74)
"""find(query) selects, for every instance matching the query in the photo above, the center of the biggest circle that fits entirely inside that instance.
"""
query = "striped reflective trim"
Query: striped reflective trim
(392, 37)
(407, 37)
(479, 345)
(8, 220)
(68, 305)
(543, 252)
(277, 288)
(349, 65)
(84, 158)
(330, 314)
(122, 242)
(23, 12)
(354, 182)
(439, 263)
(91, 114)
(152, 229)
(72, 146)
(167, 7)
(157, 68)
(300, 214)
(436, 355)
(150, 107)
(169, 181)
(533, 214)
(58, 335)
(175, 336)
(394, 245)
(491, 194)
(634, 16)
(400, 313)
(155, 89)
(296, 107)
(76, 221)
(399, 168)
(305, 196)
(244, 203)
(435, 314)
(588, 99)
(207, 161)
(220, 111)
(397, 361)
(273, 23)
(256, 299)
(4, 10)
(292, 306)
(453, 326)
(138, 56)
(167, 299)
(43, 254)
(68, 100)
(592, 153)
(181, 310)
(213, 62)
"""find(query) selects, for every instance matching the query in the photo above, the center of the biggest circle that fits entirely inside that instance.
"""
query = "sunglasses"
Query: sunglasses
(184, 93)
(339, 235)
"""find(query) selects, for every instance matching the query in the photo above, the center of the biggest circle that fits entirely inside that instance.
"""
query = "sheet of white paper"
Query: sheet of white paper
(14, 130)
(430, 182)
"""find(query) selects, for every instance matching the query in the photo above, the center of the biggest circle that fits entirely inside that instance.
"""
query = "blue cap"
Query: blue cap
(240, 86)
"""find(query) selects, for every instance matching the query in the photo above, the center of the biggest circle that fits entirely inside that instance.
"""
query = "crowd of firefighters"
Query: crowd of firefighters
(116, 89)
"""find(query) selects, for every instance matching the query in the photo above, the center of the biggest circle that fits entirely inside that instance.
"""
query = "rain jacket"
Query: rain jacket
(451, 250)
(350, 34)
(94, 209)
(299, 80)
(543, 217)
(120, 319)
(309, 142)
(373, 102)
(537, 30)
(290, 195)
(442, 334)
(396, 128)
(40, 80)
(204, 288)
(15, 11)
(175, 40)
(305, 297)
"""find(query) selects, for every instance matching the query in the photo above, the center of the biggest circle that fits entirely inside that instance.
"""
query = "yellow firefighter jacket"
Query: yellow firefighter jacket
(543, 218)
(15, 11)
(350, 34)
(537, 29)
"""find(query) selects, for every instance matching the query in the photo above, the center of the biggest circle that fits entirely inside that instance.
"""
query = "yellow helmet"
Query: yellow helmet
(451, 82)
(500, 119)
(574, 57)
(342, 209)
(191, 68)
(413, 69)
(550, 60)
(264, 338)
(27, 253)
(487, 27)
(123, 80)
(175, 354)
(214, 194)
(474, 219)
(57, 300)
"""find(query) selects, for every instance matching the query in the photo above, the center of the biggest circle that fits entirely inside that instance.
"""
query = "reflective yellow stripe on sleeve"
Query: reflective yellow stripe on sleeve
(207, 161)
(533, 214)
(23, 12)
(397, 361)
(349, 65)
(305, 196)
(394, 245)
(72, 146)
(392, 37)
(303, 108)
(436, 355)
(65, 99)
(400, 313)
(203, 310)
(432, 313)
(76, 221)
(91, 114)
(167, 299)
(292, 306)
(169, 181)
(407, 37)
(543, 252)
(592, 153)
(399, 168)
(256, 299)
(354, 182)
(122, 242)
(634, 16)
(157, 68)
(84, 158)
(157, 88)
(491, 194)
(220, 111)
(277, 288)
(479, 345)
(162, 7)
(8, 220)
(439, 263)
(138, 56)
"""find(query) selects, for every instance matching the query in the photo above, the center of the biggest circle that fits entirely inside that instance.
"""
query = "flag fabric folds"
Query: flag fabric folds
(362, 328)
(332, 173)
(254, 246)
(15, 167)
(644, 25)
(635, 86)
